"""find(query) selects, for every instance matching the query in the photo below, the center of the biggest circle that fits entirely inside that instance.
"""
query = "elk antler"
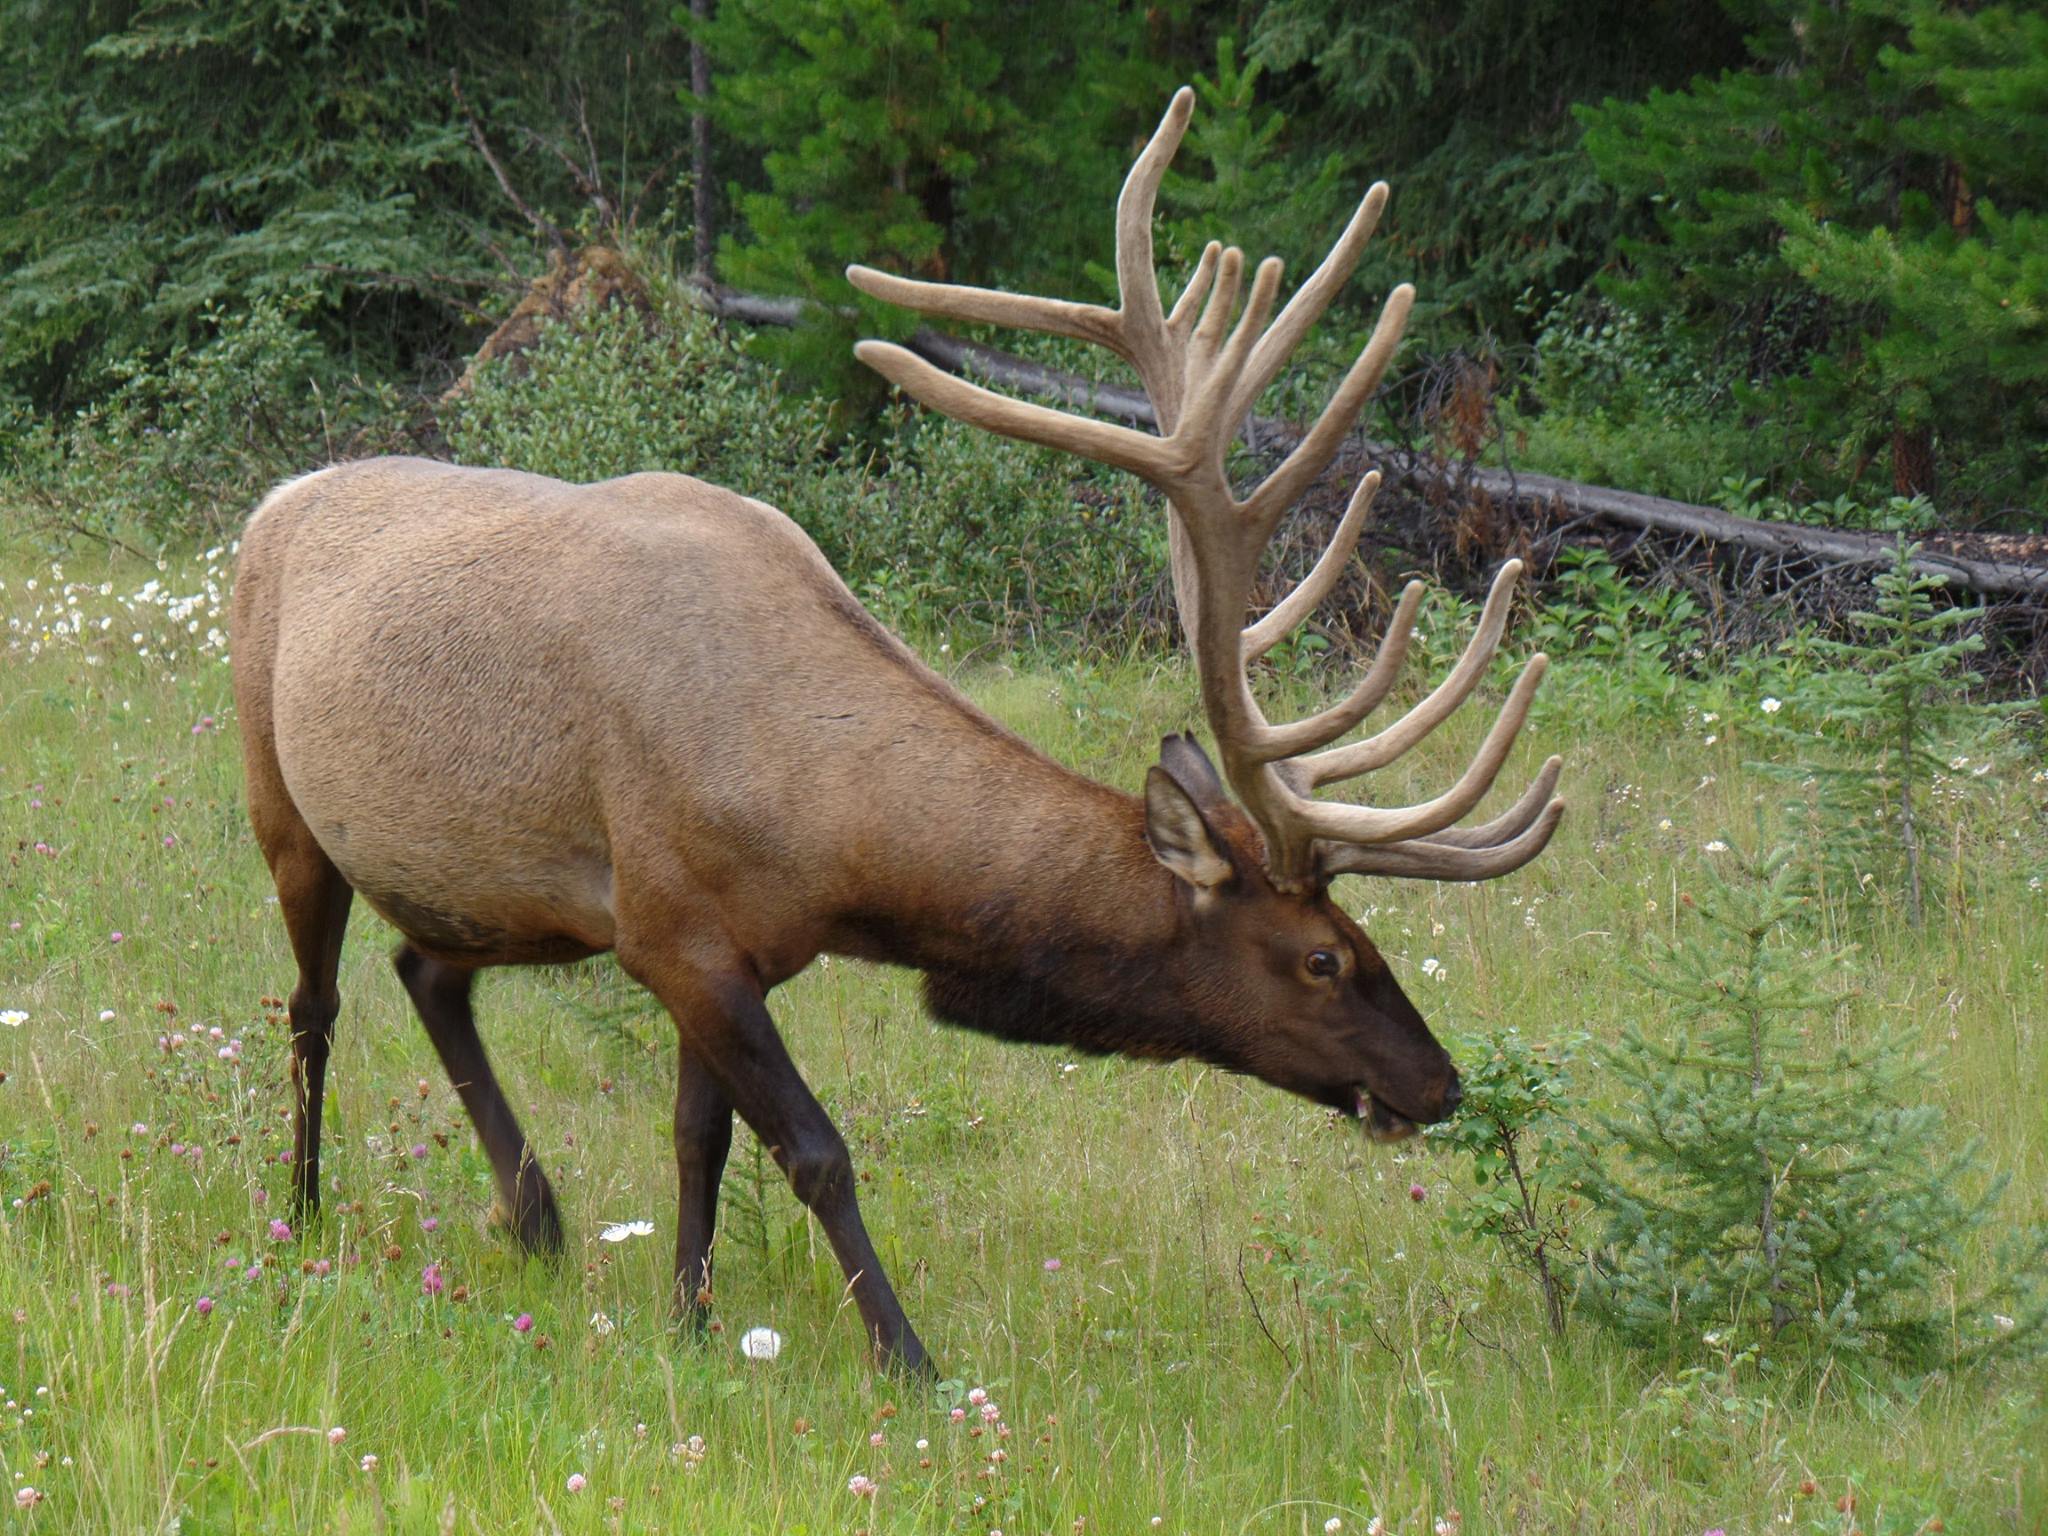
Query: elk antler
(1203, 374)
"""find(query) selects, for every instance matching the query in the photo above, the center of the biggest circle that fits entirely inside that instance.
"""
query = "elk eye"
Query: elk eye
(1321, 962)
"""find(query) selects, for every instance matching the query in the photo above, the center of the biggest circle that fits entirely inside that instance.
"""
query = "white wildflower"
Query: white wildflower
(760, 1343)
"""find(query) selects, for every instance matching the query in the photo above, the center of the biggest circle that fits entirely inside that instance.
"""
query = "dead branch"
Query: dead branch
(542, 225)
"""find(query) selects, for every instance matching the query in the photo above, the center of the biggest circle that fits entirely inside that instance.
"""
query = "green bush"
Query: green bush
(935, 525)
(616, 392)
(187, 443)
(1612, 399)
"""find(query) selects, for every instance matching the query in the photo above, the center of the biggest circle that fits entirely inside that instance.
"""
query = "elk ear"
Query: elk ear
(1183, 758)
(1180, 835)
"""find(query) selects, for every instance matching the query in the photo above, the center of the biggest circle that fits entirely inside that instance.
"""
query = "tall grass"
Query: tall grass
(1194, 1300)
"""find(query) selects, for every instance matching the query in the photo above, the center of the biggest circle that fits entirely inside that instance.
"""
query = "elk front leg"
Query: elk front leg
(703, 1138)
(722, 1020)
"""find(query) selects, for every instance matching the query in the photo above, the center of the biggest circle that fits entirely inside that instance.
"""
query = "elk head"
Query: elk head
(1321, 1015)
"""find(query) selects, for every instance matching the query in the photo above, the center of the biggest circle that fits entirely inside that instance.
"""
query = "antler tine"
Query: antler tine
(1320, 443)
(1139, 316)
(1216, 313)
(1139, 452)
(1427, 859)
(1204, 424)
(1512, 822)
(1376, 824)
(1189, 304)
(1308, 303)
(992, 306)
(1297, 605)
(1377, 751)
(1285, 741)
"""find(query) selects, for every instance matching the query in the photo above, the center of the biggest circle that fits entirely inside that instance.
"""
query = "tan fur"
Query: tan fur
(491, 697)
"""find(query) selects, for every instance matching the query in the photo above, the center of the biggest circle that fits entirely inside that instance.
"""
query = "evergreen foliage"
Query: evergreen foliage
(1856, 216)
(166, 164)
(1873, 736)
(1768, 1189)
(1233, 181)
(928, 137)
(1467, 111)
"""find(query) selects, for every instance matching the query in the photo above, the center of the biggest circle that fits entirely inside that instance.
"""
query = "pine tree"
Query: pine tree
(1857, 216)
(167, 165)
(927, 137)
(1875, 733)
(1763, 1187)
(1466, 110)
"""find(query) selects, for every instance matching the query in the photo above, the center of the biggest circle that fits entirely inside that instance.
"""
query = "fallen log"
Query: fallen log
(2007, 565)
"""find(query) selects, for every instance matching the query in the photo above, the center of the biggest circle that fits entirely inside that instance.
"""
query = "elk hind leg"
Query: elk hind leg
(314, 899)
(703, 1138)
(440, 994)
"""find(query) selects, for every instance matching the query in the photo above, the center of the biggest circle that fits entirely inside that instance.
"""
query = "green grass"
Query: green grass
(1168, 1367)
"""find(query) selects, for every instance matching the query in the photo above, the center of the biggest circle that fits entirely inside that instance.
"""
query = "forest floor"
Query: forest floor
(1196, 1305)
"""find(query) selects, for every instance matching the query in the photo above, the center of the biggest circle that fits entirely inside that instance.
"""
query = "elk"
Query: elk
(530, 722)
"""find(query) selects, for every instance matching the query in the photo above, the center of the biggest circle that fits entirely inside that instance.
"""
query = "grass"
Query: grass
(1175, 1367)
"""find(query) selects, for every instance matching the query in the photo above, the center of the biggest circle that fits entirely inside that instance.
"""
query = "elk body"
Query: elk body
(530, 722)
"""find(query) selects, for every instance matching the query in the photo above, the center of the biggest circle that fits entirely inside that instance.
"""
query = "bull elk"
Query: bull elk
(530, 722)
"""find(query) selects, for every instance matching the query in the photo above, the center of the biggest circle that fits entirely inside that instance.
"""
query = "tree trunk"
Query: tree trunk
(1912, 461)
(705, 232)
(1767, 1213)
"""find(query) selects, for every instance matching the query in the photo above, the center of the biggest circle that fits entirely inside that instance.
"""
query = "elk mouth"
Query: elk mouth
(1382, 1123)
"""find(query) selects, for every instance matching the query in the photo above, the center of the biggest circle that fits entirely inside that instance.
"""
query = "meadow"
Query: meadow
(1160, 1298)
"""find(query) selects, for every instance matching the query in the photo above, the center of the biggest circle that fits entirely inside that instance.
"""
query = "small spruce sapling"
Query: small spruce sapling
(1761, 1182)
(1870, 732)
(1511, 1128)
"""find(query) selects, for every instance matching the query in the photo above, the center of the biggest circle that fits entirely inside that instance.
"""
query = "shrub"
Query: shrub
(934, 524)
(185, 445)
(1511, 1129)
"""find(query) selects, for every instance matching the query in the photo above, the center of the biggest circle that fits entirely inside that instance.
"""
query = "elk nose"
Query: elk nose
(1453, 1097)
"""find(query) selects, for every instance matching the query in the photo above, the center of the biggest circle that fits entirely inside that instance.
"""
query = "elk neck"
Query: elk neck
(1043, 917)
